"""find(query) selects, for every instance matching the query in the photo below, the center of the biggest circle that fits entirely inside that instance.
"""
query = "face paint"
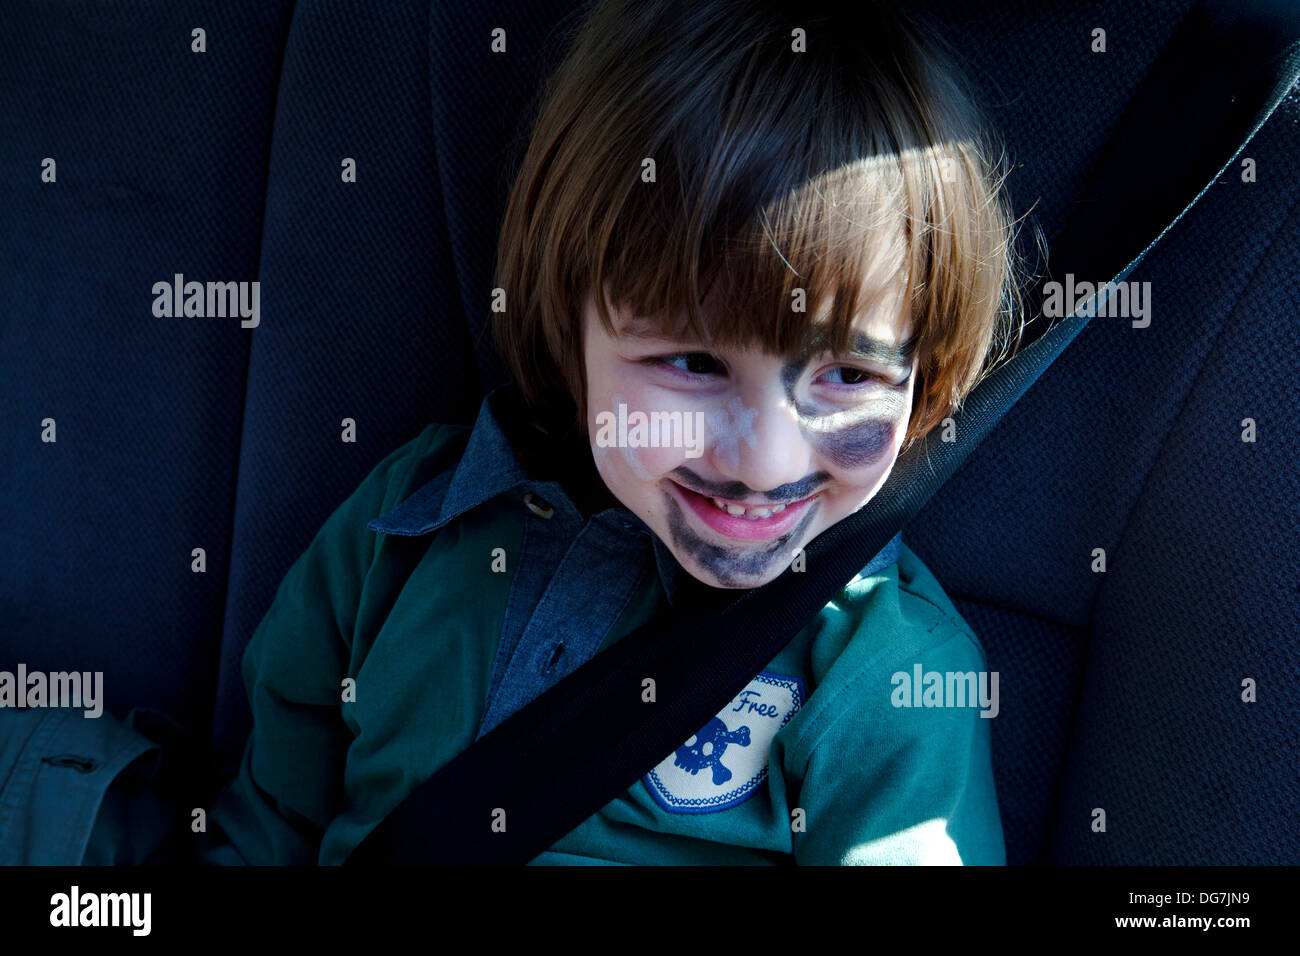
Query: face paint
(728, 427)
(858, 446)
(732, 567)
(851, 438)
(790, 372)
(822, 471)
(629, 454)
(738, 490)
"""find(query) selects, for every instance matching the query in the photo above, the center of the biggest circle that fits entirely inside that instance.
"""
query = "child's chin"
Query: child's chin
(736, 583)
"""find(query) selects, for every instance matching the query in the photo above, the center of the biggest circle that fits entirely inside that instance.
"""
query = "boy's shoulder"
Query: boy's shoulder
(927, 607)
(895, 754)
(899, 612)
(879, 626)
(436, 447)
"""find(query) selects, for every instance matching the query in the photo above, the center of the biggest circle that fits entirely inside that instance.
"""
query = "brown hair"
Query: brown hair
(849, 170)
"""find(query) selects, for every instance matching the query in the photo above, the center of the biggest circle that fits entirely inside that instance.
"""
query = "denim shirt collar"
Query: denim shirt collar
(486, 469)
(490, 466)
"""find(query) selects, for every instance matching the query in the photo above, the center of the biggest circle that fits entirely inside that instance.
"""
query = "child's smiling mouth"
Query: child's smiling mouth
(755, 522)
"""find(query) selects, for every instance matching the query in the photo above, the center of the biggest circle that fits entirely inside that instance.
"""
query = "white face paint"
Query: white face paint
(727, 427)
(790, 447)
(629, 452)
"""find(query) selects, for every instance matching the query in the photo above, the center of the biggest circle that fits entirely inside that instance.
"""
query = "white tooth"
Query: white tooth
(735, 510)
(760, 512)
(718, 504)
(777, 509)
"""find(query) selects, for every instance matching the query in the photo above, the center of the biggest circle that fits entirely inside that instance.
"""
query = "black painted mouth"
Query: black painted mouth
(738, 493)
(748, 504)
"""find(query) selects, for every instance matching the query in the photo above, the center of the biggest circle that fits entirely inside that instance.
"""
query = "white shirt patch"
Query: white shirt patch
(726, 762)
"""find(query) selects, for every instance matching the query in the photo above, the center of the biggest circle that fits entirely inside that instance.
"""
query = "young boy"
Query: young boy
(749, 257)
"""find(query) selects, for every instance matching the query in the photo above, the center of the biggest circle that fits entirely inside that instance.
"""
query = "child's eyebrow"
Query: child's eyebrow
(640, 328)
(872, 349)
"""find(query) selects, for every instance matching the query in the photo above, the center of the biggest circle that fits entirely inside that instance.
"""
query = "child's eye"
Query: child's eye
(696, 363)
(845, 375)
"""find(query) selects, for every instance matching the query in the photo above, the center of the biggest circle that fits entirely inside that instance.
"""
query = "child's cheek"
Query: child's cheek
(862, 457)
(861, 449)
(644, 434)
(657, 462)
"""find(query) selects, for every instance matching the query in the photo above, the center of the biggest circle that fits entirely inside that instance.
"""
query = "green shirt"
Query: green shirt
(371, 670)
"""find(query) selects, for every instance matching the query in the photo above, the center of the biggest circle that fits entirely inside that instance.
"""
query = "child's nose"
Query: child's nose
(761, 444)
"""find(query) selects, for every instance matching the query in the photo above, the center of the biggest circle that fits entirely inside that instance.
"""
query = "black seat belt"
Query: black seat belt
(577, 746)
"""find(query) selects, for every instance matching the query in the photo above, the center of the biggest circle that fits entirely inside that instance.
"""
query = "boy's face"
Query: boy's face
(737, 459)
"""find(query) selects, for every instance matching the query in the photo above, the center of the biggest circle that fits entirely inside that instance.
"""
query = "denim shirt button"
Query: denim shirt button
(538, 505)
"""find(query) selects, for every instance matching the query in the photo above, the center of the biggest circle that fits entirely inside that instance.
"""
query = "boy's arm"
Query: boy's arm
(290, 781)
(890, 785)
